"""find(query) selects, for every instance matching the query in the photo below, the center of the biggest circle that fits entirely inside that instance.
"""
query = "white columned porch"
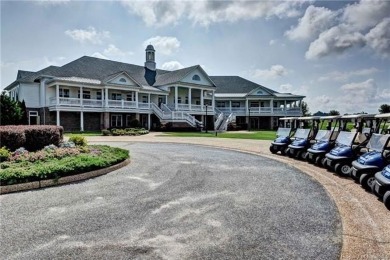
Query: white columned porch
(201, 99)
(247, 105)
(81, 121)
(136, 99)
(176, 97)
(230, 106)
(271, 103)
(189, 98)
(106, 96)
(149, 99)
(57, 95)
(58, 122)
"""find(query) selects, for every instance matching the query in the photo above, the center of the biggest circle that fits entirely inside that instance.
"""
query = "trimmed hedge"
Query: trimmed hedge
(31, 137)
(98, 157)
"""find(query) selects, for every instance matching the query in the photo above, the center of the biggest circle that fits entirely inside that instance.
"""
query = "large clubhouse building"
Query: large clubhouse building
(92, 94)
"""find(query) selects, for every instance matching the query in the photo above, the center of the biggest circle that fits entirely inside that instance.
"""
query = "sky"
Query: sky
(336, 53)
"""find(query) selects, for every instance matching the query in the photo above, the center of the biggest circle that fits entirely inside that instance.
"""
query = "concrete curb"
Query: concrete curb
(63, 180)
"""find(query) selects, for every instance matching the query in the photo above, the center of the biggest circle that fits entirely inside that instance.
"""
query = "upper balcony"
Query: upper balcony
(262, 111)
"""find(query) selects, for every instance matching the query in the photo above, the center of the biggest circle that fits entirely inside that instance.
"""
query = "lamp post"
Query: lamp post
(249, 121)
(205, 121)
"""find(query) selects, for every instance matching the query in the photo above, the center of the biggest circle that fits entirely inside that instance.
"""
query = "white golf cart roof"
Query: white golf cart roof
(289, 118)
(309, 117)
(358, 116)
(385, 115)
(329, 117)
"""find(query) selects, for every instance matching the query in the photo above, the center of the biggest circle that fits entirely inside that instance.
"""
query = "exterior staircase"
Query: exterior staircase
(166, 115)
(222, 121)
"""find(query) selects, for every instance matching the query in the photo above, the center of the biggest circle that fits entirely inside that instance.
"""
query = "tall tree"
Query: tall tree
(24, 119)
(10, 111)
(384, 108)
(334, 113)
(305, 109)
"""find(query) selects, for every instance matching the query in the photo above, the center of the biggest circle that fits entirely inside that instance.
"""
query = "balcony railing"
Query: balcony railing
(262, 111)
(97, 103)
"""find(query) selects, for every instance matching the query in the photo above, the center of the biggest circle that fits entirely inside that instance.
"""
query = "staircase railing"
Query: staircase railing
(165, 114)
(219, 120)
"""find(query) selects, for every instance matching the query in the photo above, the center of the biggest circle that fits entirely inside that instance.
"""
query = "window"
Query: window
(196, 77)
(144, 99)
(254, 104)
(275, 104)
(129, 118)
(86, 94)
(179, 100)
(186, 100)
(98, 95)
(64, 92)
(197, 102)
(116, 96)
(235, 104)
(116, 120)
(262, 104)
(129, 97)
(122, 80)
(221, 104)
(33, 113)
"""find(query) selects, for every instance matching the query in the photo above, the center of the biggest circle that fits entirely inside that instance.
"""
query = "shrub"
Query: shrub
(67, 145)
(78, 140)
(135, 123)
(106, 132)
(31, 137)
(4, 154)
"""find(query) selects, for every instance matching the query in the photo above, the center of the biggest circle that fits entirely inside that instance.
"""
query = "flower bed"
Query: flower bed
(125, 131)
(54, 162)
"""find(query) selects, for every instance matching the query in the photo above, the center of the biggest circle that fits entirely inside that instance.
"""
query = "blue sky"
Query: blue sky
(337, 53)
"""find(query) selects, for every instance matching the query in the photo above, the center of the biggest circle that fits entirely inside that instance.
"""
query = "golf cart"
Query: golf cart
(376, 157)
(349, 144)
(283, 135)
(303, 137)
(325, 139)
(382, 185)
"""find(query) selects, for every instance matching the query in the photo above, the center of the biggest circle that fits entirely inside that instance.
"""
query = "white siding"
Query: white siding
(29, 92)
(128, 82)
(50, 92)
(203, 79)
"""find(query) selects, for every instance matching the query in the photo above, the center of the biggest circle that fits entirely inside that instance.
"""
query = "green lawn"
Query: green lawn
(259, 135)
(86, 133)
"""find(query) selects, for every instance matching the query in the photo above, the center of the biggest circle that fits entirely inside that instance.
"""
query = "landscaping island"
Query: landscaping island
(49, 157)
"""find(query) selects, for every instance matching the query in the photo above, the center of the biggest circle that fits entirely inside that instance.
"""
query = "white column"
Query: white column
(42, 93)
(230, 106)
(149, 121)
(136, 99)
(149, 100)
(106, 96)
(57, 95)
(58, 118)
(176, 97)
(81, 96)
(189, 98)
(81, 121)
(247, 105)
(271, 102)
(201, 99)
(213, 101)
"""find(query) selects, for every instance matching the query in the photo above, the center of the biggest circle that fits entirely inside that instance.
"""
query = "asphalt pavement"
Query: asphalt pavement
(176, 201)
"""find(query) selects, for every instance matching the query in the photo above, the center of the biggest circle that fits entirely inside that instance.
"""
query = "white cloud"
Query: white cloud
(344, 76)
(162, 13)
(112, 50)
(274, 72)
(172, 65)
(272, 42)
(334, 41)
(163, 44)
(378, 38)
(286, 88)
(99, 55)
(314, 21)
(90, 35)
(360, 92)
(51, 2)
(366, 13)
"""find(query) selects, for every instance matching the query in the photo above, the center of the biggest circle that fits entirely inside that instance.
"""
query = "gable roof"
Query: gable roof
(174, 76)
(236, 84)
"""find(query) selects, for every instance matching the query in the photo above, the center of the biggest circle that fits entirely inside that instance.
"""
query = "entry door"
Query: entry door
(255, 123)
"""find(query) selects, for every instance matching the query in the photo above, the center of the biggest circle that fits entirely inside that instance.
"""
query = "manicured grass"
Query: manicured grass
(86, 133)
(259, 135)
(60, 162)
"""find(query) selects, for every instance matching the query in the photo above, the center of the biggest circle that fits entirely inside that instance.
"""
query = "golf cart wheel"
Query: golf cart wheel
(375, 192)
(272, 149)
(283, 151)
(317, 161)
(303, 155)
(367, 181)
(290, 154)
(386, 199)
(342, 169)
(323, 162)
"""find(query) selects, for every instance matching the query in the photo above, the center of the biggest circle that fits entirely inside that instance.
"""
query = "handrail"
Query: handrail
(219, 121)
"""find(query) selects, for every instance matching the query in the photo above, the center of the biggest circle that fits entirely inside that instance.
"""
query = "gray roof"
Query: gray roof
(173, 76)
(236, 84)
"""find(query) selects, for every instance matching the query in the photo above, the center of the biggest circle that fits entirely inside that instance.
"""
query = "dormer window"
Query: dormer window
(123, 80)
(196, 77)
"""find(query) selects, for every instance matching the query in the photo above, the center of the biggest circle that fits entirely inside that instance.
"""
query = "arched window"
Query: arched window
(122, 80)
(196, 77)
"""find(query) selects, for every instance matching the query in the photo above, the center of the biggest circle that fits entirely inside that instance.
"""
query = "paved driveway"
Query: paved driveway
(176, 201)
